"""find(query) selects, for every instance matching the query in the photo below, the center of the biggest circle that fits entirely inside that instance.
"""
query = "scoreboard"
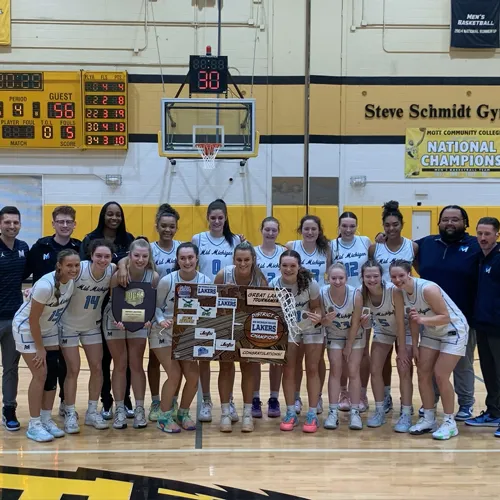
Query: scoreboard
(63, 110)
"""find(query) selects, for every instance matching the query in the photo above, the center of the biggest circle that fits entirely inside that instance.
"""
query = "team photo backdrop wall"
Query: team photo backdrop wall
(228, 323)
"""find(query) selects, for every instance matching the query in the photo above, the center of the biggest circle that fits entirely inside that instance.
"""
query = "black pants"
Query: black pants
(488, 347)
(106, 397)
(61, 374)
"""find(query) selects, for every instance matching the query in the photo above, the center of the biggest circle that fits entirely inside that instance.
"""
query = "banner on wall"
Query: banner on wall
(452, 152)
(475, 24)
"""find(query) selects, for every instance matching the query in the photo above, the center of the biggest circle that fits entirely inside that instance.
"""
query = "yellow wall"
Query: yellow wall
(246, 220)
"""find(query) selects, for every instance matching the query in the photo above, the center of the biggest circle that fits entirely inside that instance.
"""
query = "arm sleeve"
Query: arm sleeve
(42, 291)
(161, 294)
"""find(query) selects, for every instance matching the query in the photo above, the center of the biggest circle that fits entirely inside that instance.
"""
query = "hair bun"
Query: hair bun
(166, 207)
(391, 205)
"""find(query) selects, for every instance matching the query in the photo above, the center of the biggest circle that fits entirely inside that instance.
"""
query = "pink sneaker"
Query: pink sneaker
(344, 401)
(363, 404)
(311, 424)
(289, 422)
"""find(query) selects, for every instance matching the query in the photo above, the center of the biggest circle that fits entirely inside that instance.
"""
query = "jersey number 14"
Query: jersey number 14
(91, 300)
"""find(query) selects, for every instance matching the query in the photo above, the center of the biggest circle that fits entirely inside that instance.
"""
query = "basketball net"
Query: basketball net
(287, 301)
(208, 152)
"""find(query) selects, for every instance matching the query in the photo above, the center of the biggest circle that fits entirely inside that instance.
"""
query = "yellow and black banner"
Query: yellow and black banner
(452, 152)
(5, 33)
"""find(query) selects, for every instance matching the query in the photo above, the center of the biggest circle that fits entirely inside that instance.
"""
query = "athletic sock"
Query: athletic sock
(430, 415)
(275, 394)
(256, 394)
(290, 409)
(139, 403)
(92, 408)
(70, 409)
(379, 406)
(247, 409)
(156, 399)
(448, 417)
(225, 409)
(120, 404)
(45, 415)
(333, 407)
(406, 410)
(34, 420)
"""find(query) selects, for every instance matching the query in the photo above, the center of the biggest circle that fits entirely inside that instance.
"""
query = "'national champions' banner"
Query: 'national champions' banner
(457, 152)
(475, 24)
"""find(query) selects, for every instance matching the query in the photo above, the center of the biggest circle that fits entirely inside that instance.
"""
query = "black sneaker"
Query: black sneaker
(9, 419)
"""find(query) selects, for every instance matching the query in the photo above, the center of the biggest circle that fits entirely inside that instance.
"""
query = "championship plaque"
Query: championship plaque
(134, 305)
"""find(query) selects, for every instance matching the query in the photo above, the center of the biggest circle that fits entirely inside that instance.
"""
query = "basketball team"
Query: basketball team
(350, 289)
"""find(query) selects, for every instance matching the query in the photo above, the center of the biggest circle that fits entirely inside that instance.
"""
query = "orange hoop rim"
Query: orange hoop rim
(208, 148)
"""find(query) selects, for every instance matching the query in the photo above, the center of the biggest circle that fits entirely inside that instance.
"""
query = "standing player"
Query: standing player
(12, 272)
(244, 271)
(42, 259)
(216, 248)
(395, 247)
(268, 259)
(160, 340)
(35, 328)
(342, 306)
(127, 348)
(315, 255)
(352, 251)
(386, 304)
(443, 340)
(307, 300)
(81, 323)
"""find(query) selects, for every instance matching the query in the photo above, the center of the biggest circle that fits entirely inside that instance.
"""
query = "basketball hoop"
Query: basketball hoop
(208, 152)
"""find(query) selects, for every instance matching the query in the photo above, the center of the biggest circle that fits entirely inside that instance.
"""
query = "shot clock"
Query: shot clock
(208, 74)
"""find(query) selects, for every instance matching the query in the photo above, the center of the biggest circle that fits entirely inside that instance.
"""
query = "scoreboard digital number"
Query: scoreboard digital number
(105, 110)
(40, 109)
(208, 74)
(63, 110)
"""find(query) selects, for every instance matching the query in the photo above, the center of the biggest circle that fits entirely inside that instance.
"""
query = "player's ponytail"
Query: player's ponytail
(61, 256)
(219, 204)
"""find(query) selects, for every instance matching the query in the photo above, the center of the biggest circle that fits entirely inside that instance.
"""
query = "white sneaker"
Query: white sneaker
(140, 421)
(247, 423)
(37, 432)
(355, 422)
(423, 426)
(319, 407)
(332, 421)
(403, 424)
(377, 419)
(96, 421)
(120, 421)
(71, 424)
(233, 414)
(225, 424)
(51, 427)
(205, 414)
(298, 406)
(447, 430)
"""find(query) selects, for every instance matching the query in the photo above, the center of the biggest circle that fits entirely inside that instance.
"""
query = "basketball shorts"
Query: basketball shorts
(455, 343)
(112, 332)
(338, 342)
(158, 340)
(25, 343)
(313, 337)
(73, 338)
(383, 338)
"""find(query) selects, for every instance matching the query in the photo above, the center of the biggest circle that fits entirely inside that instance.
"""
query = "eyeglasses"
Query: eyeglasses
(453, 220)
(65, 222)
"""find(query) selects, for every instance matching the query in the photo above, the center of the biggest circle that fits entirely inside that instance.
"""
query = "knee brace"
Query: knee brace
(52, 360)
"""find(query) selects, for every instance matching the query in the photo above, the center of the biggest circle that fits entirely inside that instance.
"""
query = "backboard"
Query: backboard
(228, 122)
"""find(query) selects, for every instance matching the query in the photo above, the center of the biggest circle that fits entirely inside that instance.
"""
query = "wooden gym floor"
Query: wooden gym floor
(205, 464)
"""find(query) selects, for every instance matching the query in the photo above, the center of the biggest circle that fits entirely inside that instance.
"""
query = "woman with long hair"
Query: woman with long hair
(245, 272)
(342, 307)
(443, 332)
(112, 227)
(395, 247)
(268, 259)
(386, 305)
(351, 250)
(316, 256)
(307, 301)
(80, 324)
(127, 348)
(216, 248)
(160, 341)
(36, 333)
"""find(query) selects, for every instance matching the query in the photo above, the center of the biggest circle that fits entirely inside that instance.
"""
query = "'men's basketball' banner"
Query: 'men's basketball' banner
(457, 152)
(475, 24)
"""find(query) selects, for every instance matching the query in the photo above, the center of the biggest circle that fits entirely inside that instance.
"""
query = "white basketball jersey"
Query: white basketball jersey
(386, 256)
(43, 291)
(269, 264)
(384, 315)
(352, 255)
(339, 329)
(314, 262)
(230, 278)
(458, 323)
(84, 311)
(215, 253)
(301, 302)
(164, 261)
